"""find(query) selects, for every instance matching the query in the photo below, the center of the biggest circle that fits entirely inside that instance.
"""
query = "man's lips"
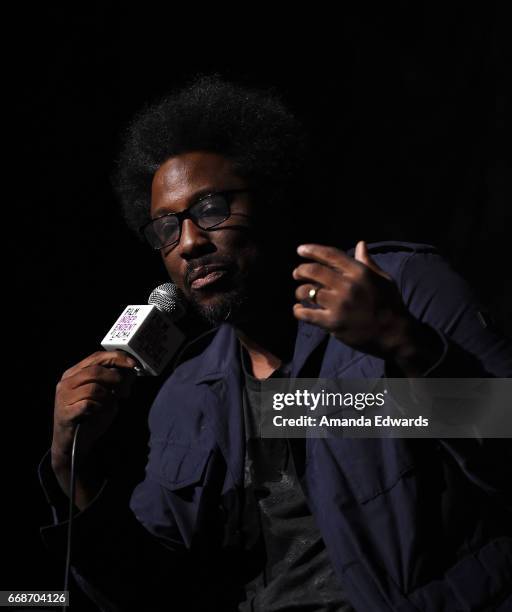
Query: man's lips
(201, 282)
(206, 275)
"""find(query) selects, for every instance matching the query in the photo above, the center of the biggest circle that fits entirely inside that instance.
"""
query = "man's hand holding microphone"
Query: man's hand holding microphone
(142, 341)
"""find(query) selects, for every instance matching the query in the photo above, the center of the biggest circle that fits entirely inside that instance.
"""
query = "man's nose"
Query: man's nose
(194, 241)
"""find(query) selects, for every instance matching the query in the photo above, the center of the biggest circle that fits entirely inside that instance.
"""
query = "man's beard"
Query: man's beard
(231, 295)
(229, 307)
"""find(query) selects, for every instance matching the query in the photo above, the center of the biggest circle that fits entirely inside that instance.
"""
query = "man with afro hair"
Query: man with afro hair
(214, 177)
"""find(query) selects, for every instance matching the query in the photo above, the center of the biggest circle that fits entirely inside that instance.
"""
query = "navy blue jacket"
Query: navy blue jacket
(409, 524)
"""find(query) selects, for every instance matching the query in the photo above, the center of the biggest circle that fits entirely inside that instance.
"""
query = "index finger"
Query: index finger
(107, 359)
(331, 256)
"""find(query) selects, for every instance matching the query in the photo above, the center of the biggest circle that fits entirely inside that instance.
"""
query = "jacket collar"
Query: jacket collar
(218, 365)
(220, 355)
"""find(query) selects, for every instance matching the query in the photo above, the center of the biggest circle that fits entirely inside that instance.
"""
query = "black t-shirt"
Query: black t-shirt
(290, 569)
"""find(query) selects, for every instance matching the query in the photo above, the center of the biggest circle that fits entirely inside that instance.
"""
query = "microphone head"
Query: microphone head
(169, 299)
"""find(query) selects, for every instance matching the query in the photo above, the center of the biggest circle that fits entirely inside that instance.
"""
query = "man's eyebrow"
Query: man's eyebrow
(198, 195)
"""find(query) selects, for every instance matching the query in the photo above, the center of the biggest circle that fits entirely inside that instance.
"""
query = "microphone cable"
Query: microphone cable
(67, 567)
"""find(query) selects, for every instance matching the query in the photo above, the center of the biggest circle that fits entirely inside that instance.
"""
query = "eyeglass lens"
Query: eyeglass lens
(206, 213)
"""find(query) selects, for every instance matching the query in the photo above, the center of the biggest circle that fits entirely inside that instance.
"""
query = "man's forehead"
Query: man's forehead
(193, 167)
(182, 176)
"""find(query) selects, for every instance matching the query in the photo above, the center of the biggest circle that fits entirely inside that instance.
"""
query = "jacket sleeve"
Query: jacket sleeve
(436, 295)
(472, 348)
(115, 560)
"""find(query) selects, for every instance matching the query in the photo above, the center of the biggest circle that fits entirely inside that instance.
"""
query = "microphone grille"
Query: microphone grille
(169, 299)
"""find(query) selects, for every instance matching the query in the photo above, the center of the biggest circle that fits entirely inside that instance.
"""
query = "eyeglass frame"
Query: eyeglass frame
(185, 214)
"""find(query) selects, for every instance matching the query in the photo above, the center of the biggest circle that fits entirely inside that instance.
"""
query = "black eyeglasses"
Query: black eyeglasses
(208, 211)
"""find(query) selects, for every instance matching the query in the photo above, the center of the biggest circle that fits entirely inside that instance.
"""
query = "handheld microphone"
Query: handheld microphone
(147, 331)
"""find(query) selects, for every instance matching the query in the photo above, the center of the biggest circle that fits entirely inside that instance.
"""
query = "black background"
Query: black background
(406, 108)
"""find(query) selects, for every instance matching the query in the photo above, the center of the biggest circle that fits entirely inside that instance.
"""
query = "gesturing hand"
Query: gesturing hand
(358, 302)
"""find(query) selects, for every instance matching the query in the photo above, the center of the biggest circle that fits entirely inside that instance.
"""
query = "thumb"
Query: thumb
(364, 257)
